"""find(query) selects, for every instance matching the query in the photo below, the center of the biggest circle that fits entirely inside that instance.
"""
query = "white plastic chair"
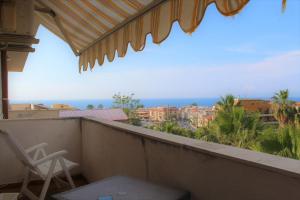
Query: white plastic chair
(43, 165)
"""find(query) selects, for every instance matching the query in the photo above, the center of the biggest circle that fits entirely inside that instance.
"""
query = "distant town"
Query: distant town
(194, 116)
(190, 116)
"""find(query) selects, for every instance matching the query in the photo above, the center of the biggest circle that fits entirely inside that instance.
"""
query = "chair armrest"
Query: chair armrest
(51, 156)
(38, 146)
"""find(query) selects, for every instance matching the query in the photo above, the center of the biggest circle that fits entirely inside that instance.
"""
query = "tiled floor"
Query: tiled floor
(36, 186)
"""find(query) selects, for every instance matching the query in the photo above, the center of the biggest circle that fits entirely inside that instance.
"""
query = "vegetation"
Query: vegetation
(90, 107)
(284, 112)
(226, 103)
(129, 104)
(234, 126)
(173, 127)
(100, 106)
(283, 141)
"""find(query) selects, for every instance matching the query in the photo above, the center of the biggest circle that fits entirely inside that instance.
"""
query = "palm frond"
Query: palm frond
(283, 8)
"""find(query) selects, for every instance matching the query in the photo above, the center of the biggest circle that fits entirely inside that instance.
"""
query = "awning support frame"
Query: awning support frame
(59, 25)
(17, 48)
(17, 42)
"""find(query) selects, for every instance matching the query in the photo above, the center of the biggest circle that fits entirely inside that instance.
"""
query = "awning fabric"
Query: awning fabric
(99, 28)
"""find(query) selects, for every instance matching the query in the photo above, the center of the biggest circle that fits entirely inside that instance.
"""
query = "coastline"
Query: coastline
(107, 103)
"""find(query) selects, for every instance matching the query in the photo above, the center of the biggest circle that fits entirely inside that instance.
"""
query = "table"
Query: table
(123, 188)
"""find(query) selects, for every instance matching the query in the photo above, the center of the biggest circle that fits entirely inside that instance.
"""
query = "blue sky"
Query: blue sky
(252, 54)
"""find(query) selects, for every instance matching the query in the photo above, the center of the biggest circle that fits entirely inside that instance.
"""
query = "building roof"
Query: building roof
(245, 99)
(63, 107)
(107, 114)
(27, 106)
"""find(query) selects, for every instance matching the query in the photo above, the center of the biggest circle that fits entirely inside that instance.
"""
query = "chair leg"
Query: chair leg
(70, 180)
(24, 190)
(29, 194)
(45, 188)
(66, 170)
(47, 181)
(26, 179)
(60, 182)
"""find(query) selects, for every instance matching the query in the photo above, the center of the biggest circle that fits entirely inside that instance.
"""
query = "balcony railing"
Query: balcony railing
(104, 149)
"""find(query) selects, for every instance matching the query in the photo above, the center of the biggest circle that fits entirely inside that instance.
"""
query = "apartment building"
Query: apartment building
(160, 114)
(264, 107)
(297, 105)
(143, 113)
(197, 116)
(188, 112)
(255, 105)
(204, 120)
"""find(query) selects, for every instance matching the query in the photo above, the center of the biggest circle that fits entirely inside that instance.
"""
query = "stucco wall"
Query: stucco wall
(58, 133)
(209, 171)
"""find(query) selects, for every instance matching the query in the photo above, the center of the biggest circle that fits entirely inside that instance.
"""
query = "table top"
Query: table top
(122, 188)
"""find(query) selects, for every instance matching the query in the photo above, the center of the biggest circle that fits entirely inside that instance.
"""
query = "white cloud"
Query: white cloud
(261, 78)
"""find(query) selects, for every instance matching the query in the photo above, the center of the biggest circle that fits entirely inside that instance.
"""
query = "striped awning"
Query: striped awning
(98, 28)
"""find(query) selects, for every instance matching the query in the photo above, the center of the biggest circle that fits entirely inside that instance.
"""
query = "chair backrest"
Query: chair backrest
(17, 148)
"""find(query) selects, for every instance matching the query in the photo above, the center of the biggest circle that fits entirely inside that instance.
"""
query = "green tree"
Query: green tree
(232, 125)
(126, 102)
(129, 105)
(90, 107)
(100, 106)
(226, 103)
(283, 141)
(282, 107)
(194, 104)
(236, 127)
(171, 126)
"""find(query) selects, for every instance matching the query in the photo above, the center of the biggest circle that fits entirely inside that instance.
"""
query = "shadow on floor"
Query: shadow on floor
(36, 187)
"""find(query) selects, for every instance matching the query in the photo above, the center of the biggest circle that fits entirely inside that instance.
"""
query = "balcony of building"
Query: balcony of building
(104, 149)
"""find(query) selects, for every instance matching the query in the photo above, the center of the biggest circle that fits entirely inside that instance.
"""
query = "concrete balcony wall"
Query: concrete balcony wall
(58, 133)
(209, 171)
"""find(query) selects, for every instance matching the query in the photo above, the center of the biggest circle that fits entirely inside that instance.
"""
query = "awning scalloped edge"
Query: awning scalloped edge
(157, 22)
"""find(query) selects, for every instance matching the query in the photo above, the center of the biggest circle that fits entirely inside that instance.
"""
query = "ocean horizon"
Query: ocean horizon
(107, 103)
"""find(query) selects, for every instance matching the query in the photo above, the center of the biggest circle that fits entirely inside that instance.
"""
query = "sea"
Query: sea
(107, 103)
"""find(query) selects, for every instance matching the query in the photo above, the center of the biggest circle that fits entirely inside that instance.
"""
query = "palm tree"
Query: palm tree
(281, 97)
(283, 5)
(282, 107)
(226, 103)
(236, 127)
(284, 141)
